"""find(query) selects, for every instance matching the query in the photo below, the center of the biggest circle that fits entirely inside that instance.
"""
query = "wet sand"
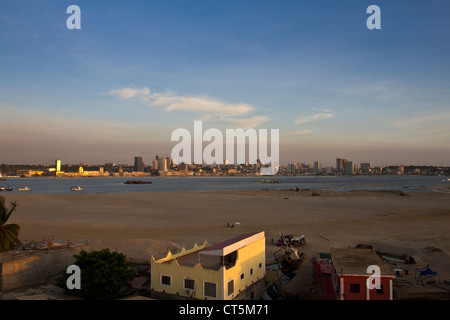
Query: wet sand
(145, 224)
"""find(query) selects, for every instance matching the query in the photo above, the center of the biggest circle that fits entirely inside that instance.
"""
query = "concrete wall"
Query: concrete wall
(36, 269)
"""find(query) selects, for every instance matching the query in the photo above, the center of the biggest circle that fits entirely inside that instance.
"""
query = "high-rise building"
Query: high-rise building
(349, 167)
(292, 168)
(162, 164)
(317, 167)
(340, 164)
(138, 164)
(366, 167)
(58, 166)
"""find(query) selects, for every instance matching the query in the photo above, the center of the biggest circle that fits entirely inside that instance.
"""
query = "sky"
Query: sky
(137, 70)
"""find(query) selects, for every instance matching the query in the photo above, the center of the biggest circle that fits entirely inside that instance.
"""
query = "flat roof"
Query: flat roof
(230, 245)
(210, 257)
(355, 261)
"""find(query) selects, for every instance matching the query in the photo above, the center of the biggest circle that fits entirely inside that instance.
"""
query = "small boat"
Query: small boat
(77, 188)
(23, 189)
(9, 189)
(2, 188)
(137, 182)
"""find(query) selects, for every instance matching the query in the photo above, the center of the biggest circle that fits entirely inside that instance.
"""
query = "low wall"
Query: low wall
(35, 269)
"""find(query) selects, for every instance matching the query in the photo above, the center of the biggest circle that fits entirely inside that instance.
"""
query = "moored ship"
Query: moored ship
(137, 182)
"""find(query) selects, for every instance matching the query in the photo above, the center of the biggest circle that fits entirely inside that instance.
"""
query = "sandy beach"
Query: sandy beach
(145, 224)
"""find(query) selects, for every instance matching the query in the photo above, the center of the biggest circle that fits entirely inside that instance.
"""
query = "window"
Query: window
(166, 280)
(209, 289)
(380, 291)
(242, 276)
(260, 265)
(354, 288)
(230, 287)
(251, 271)
(189, 284)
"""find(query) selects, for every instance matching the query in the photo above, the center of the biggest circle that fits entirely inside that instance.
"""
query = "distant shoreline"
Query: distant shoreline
(223, 176)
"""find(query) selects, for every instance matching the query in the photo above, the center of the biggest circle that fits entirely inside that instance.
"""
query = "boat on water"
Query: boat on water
(23, 189)
(77, 188)
(137, 182)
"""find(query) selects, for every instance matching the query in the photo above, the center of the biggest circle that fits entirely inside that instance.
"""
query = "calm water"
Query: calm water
(167, 184)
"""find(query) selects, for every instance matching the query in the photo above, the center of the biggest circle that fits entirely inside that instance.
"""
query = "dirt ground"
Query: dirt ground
(144, 224)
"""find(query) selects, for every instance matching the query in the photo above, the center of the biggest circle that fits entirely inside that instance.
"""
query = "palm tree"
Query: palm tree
(9, 233)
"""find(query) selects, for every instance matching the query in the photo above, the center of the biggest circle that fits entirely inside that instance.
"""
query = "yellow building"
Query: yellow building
(58, 166)
(233, 269)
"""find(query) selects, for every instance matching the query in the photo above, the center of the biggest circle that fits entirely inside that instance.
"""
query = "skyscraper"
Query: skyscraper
(162, 164)
(366, 167)
(349, 167)
(58, 166)
(340, 164)
(138, 164)
(317, 167)
(292, 168)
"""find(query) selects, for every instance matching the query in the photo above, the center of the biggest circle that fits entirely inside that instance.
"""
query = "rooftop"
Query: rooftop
(356, 261)
(211, 257)
(233, 244)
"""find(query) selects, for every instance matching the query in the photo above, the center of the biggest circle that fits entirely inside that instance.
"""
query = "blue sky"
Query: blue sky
(137, 70)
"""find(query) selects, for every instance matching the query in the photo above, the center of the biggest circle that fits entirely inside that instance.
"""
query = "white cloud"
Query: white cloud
(416, 121)
(314, 117)
(128, 93)
(173, 102)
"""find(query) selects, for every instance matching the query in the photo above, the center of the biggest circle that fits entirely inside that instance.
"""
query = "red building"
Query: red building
(350, 274)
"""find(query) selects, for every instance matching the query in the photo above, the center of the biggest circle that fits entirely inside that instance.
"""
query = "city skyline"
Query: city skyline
(136, 71)
(138, 163)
